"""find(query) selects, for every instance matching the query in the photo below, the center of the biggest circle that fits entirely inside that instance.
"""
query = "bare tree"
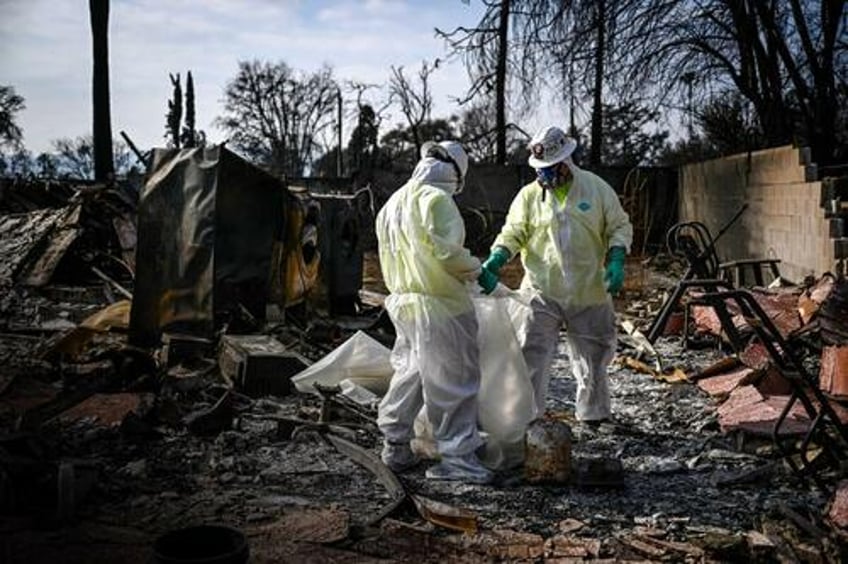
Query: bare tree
(75, 158)
(507, 46)
(591, 46)
(523, 45)
(787, 57)
(478, 132)
(479, 135)
(10, 104)
(398, 147)
(274, 116)
(380, 102)
(416, 101)
(46, 166)
(627, 139)
(104, 167)
(366, 106)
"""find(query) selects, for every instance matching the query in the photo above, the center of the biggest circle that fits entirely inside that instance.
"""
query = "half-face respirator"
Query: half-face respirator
(548, 176)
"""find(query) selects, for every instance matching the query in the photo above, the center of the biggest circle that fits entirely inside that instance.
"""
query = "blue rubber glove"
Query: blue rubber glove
(488, 280)
(614, 276)
(497, 258)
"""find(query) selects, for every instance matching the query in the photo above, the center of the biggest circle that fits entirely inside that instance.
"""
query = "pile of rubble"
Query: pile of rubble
(108, 445)
(111, 448)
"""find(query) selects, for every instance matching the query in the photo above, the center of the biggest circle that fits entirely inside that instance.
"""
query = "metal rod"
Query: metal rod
(121, 290)
(139, 155)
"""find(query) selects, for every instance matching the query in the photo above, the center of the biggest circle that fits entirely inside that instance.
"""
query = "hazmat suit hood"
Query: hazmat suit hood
(442, 165)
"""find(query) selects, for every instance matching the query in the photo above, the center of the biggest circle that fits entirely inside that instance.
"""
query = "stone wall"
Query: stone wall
(784, 218)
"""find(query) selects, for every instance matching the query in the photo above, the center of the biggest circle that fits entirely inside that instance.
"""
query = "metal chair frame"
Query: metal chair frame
(825, 426)
(692, 240)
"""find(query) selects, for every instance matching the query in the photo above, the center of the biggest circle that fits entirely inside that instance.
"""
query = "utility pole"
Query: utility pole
(104, 167)
(339, 153)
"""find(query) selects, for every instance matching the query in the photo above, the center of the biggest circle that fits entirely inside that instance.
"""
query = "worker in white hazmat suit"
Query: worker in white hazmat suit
(429, 272)
(573, 236)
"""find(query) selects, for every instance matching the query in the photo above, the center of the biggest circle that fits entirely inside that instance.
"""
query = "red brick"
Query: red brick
(725, 383)
(837, 513)
(834, 371)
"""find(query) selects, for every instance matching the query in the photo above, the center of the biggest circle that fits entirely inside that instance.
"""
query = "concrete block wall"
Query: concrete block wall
(784, 218)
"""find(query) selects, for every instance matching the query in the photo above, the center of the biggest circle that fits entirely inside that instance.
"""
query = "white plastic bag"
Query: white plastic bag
(361, 358)
(506, 401)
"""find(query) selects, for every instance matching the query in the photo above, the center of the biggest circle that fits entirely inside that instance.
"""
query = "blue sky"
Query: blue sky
(45, 53)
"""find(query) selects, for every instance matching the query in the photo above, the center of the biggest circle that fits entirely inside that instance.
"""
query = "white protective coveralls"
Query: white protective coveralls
(563, 248)
(425, 266)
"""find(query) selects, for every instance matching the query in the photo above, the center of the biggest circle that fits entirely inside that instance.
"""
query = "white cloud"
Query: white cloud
(45, 53)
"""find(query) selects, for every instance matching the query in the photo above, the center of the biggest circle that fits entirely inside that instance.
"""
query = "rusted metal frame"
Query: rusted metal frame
(791, 367)
(693, 241)
(709, 286)
(720, 307)
(738, 269)
(804, 469)
(667, 309)
(788, 362)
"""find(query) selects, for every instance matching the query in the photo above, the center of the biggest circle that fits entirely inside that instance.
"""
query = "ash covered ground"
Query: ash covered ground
(696, 494)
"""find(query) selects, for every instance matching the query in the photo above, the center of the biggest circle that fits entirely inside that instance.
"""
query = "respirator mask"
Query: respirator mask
(548, 176)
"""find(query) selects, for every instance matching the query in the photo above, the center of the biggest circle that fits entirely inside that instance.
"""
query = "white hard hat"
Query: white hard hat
(550, 146)
(447, 150)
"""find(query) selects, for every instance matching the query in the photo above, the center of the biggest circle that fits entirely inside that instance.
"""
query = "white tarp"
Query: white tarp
(361, 359)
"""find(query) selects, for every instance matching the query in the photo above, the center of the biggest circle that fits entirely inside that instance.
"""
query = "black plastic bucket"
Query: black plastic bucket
(202, 544)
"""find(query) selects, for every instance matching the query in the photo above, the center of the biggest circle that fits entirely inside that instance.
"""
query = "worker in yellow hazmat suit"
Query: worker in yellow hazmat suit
(566, 224)
(429, 274)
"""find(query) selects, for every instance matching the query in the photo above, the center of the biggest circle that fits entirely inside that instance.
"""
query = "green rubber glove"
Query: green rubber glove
(487, 280)
(497, 258)
(614, 276)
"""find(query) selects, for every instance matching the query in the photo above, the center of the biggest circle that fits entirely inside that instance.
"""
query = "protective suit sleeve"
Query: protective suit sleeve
(516, 230)
(619, 231)
(447, 233)
(614, 275)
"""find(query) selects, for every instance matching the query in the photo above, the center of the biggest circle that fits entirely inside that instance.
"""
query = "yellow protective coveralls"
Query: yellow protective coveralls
(563, 248)
(421, 235)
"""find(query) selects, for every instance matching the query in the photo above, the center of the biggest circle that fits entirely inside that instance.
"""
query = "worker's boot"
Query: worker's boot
(464, 468)
(398, 456)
